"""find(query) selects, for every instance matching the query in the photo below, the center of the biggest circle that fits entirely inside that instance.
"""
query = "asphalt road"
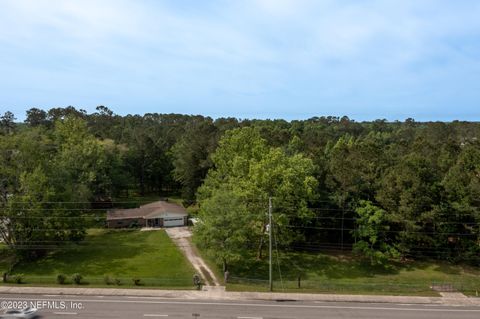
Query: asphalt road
(76, 307)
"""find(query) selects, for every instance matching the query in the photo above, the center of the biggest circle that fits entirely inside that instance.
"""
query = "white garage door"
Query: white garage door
(169, 222)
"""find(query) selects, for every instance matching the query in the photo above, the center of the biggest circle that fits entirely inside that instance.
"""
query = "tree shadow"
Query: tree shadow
(448, 269)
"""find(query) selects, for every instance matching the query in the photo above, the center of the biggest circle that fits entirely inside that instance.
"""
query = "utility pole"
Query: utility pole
(270, 229)
(343, 216)
(343, 223)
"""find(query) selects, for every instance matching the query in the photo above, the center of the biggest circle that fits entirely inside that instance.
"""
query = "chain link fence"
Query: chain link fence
(346, 287)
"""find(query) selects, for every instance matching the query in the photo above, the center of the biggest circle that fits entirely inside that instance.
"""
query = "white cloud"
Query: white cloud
(77, 19)
(285, 8)
(247, 47)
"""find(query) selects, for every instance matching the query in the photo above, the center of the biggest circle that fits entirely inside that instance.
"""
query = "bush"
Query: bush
(108, 280)
(61, 279)
(118, 282)
(77, 279)
(136, 281)
(18, 278)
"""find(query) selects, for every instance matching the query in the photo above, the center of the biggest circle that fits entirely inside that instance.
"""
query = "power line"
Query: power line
(385, 231)
(270, 231)
(87, 216)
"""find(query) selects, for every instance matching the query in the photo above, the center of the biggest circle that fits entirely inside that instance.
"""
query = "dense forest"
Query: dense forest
(382, 189)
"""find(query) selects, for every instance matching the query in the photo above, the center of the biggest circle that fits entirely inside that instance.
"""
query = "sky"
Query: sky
(290, 59)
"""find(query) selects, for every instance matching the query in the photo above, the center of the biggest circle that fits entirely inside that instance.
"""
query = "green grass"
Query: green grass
(123, 254)
(342, 273)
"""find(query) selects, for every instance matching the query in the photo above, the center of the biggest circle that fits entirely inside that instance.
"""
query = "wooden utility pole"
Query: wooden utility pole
(270, 229)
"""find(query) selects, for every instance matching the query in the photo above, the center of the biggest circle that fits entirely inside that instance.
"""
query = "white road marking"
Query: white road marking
(65, 313)
(153, 315)
(249, 317)
(154, 298)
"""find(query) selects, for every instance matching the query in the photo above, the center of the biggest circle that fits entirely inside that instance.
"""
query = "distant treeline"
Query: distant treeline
(424, 177)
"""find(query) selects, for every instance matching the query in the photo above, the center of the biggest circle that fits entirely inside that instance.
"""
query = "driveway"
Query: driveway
(181, 237)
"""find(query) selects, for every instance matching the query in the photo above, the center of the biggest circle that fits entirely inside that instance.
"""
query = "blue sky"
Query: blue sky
(290, 59)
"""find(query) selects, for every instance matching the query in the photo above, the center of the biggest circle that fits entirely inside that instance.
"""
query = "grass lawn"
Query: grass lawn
(342, 273)
(120, 254)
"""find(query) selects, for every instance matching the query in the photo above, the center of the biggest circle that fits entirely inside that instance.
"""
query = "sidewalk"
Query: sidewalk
(220, 294)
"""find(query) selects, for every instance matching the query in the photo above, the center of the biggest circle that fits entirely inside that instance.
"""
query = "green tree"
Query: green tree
(36, 117)
(60, 113)
(462, 186)
(191, 155)
(39, 212)
(409, 192)
(7, 123)
(149, 140)
(32, 224)
(245, 165)
(78, 161)
(372, 240)
(221, 227)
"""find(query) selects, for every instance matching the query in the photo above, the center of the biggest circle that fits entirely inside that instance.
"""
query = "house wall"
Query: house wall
(139, 222)
(151, 222)
(126, 222)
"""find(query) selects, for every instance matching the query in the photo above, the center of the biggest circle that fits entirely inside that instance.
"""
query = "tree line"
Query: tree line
(384, 189)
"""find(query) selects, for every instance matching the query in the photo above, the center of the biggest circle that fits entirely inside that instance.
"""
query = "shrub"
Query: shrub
(107, 280)
(18, 278)
(136, 281)
(77, 279)
(118, 282)
(61, 279)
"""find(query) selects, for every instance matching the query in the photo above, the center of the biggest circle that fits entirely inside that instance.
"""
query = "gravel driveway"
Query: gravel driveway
(180, 236)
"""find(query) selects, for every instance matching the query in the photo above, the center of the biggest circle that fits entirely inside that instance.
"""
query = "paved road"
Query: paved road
(76, 307)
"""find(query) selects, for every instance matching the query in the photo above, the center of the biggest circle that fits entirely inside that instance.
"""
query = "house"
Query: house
(157, 214)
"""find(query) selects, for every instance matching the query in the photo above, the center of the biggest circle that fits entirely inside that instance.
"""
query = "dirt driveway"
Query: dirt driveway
(180, 236)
